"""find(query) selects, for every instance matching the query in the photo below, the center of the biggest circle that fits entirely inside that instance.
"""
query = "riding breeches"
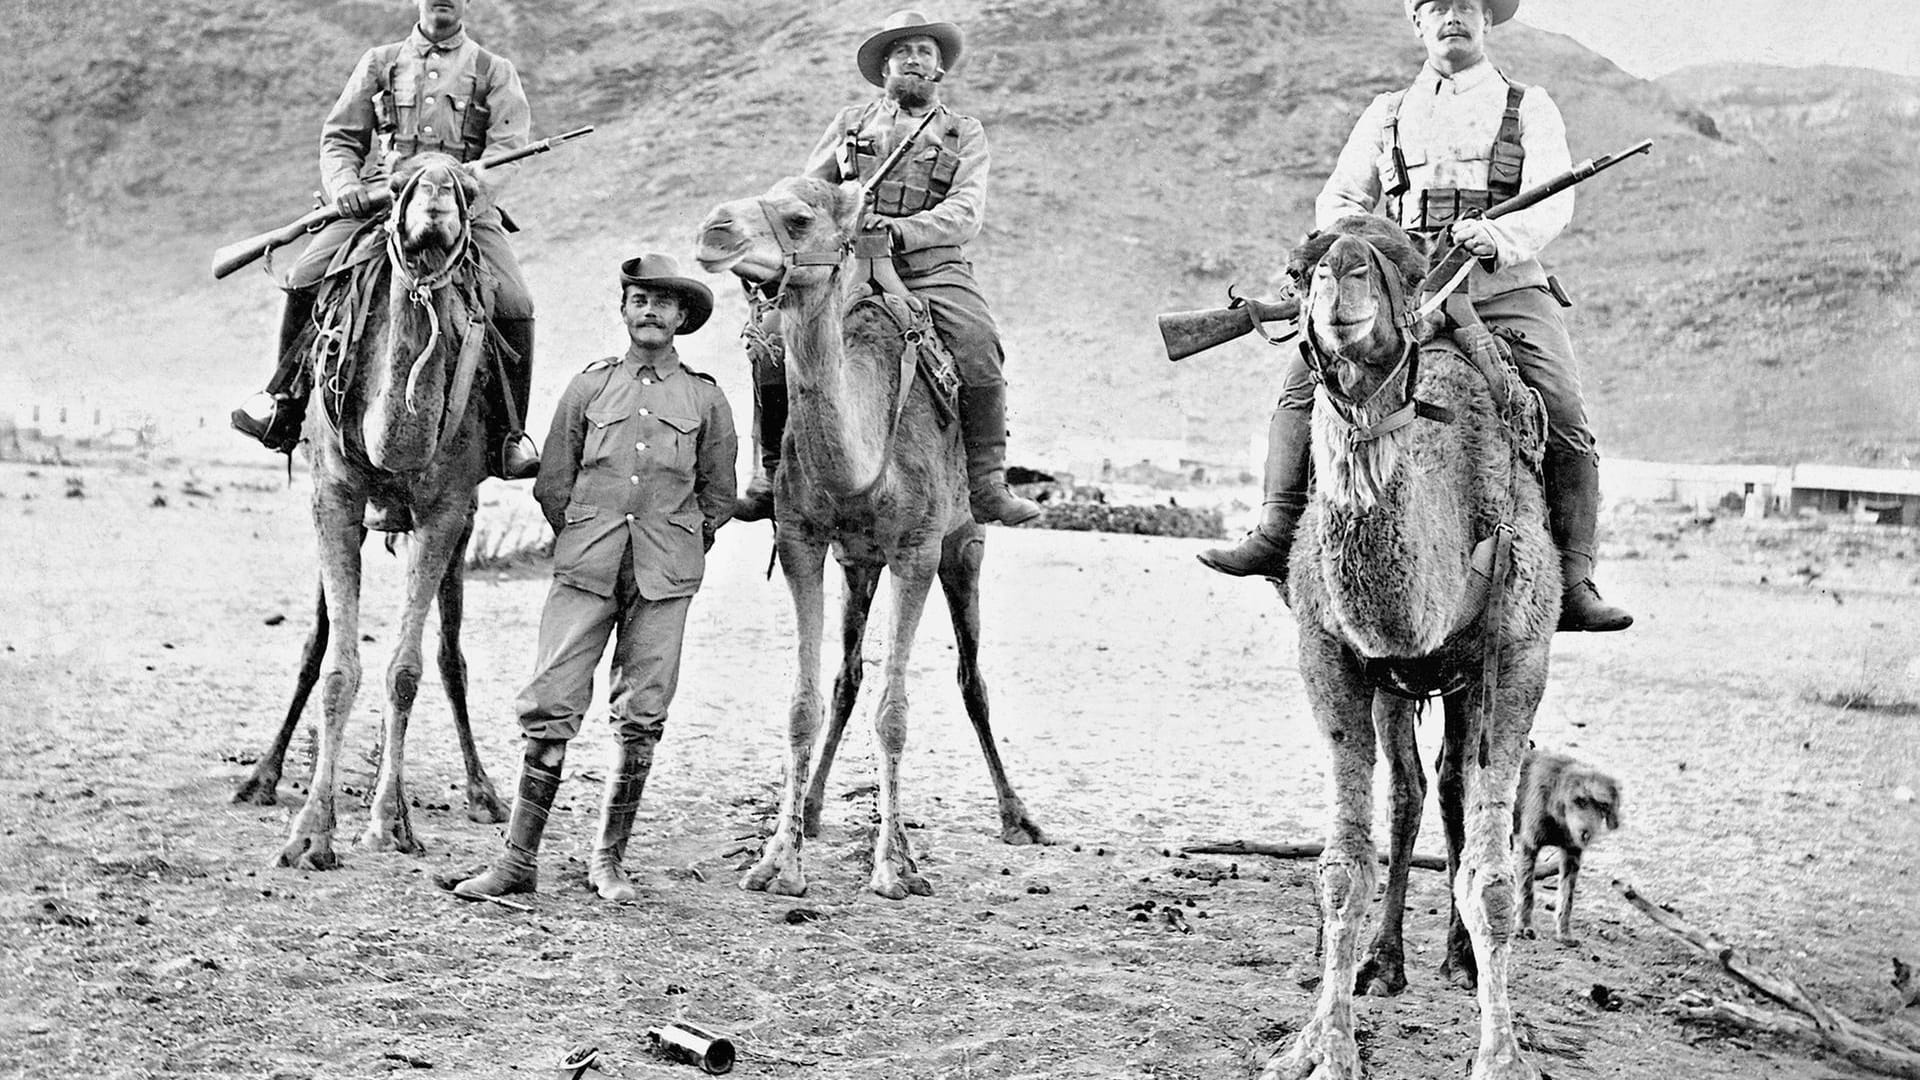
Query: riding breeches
(511, 300)
(574, 627)
(1542, 352)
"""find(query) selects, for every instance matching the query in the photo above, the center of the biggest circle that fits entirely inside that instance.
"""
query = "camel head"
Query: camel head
(1360, 277)
(799, 216)
(431, 194)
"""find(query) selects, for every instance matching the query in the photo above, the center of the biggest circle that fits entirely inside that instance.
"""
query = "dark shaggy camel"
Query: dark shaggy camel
(403, 423)
(869, 473)
(1415, 470)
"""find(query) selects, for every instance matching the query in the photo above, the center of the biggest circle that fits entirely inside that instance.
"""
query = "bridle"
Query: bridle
(420, 289)
(792, 255)
(1399, 382)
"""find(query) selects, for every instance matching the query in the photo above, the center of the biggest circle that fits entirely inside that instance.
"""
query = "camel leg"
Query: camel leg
(1325, 1048)
(894, 874)
(390, 826)
(262, 786)
(960, 580)
(336, 520)
(1484, 889)
(1384, 973)
(483, 802)
(1458, 967)
(779, 869)
(863, 579)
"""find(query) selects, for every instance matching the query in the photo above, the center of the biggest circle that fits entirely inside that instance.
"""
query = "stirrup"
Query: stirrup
(519, 458)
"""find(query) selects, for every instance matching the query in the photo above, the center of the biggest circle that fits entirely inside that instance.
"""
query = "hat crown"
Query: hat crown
(650, 266)
(902, 20)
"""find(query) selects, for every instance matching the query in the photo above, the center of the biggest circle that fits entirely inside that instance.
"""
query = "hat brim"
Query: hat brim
(697, 298)
(873, 52)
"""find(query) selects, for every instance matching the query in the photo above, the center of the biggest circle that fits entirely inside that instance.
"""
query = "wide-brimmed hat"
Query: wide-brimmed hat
(663, 272)
(901, 24)
(1498, 11)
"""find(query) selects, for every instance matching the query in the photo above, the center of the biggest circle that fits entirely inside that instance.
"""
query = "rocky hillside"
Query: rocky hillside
(1746, 292)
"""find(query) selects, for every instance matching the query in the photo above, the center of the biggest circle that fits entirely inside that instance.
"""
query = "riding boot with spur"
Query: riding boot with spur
(275, 416)
(1264, 550)
(514, 455)
(770, 420)
(515, 871)
(1573, 510)
(983, 424)
(633, 760)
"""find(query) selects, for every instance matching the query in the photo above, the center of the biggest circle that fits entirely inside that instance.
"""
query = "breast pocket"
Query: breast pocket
(603, 435)
(680, 442)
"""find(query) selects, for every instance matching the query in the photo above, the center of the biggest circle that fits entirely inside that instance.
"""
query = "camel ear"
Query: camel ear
(847, 206)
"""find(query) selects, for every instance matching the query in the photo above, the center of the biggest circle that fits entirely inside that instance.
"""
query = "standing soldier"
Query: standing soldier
(1461, 138)
(636, 477)
(437, 91)
(929, 205)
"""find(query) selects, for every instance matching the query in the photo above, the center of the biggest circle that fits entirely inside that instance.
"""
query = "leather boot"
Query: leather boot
(275, 416)
(983, 424)
(770, 421)
(1264, 550)
(515, 871)
(633, 760)
(1573, 509)
(517, 456)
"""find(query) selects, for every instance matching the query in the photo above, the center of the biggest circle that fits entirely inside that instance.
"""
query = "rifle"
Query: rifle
(874, 249)
(1188, 332)
(241, 252)
(1451, 270)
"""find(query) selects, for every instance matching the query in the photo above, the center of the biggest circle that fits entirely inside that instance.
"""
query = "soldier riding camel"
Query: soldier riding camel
(1461, 138)
(436, 91)
(921, 215)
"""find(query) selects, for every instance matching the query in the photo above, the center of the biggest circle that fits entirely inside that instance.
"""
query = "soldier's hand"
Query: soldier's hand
(1477, 236)
(353, 200)
(881, 223)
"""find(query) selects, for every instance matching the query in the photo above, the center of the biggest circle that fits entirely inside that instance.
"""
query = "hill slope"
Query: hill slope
(1147, 154)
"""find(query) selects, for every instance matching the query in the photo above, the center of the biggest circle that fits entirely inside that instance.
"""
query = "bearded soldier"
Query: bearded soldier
(1460, 139)
(923, 213)
(437, 91)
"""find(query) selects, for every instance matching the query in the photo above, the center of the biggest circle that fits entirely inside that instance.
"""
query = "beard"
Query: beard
(912, 91)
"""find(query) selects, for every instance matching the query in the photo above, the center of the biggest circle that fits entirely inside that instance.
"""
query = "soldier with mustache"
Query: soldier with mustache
(925, 210)
(636, 477)
(1461, 138)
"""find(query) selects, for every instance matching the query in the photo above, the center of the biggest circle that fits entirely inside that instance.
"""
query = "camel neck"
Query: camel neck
(838, 397)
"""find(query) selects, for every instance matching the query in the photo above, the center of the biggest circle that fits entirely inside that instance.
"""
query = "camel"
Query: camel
(403, 425)
(1424, 567)
(869, 473)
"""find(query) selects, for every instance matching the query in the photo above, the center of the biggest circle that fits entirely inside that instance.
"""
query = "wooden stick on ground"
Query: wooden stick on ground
(1858, 1044)
(1546, 871)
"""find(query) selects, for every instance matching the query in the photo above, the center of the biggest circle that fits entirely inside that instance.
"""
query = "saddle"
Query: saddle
(923, 353)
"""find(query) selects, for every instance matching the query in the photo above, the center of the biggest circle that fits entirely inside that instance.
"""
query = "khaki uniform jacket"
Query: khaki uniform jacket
(953, 221)
(1447, 129)
(433, 82)
(637, 460)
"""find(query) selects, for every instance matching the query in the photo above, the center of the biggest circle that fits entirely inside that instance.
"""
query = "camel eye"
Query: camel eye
(801, 219)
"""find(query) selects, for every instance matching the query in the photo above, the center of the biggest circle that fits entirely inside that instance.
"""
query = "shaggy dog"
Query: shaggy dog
(1562, 804)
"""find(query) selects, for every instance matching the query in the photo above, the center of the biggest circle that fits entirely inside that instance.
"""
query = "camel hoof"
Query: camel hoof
(892, 890)
(1461, 977)
(308, 853)
(484, 805)
(769, 877)
(1566, 940)
(810, 821)
(259, 790)
(1325, 1057)
(1380, 978)
(396, 837)
(1022, 833)
(918, 885)
(1524, 933)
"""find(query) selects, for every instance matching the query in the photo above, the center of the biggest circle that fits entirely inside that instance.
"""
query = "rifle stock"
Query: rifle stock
(1188, 332)
(241, 252)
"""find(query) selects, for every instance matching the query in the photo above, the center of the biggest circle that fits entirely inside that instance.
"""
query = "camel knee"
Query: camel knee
(403, 685)
(1345, 882)
(1490, 901)
(890, 725)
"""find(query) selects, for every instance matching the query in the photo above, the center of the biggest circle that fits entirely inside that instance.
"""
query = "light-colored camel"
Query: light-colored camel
(883, 488)
(1385, 592)
(406, 388)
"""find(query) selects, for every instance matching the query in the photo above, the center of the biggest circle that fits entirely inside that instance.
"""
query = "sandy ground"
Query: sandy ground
(1142, 703)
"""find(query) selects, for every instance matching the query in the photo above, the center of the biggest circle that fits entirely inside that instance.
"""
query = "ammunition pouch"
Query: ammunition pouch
(475, 118)
(877, 244)
(1441, 207)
